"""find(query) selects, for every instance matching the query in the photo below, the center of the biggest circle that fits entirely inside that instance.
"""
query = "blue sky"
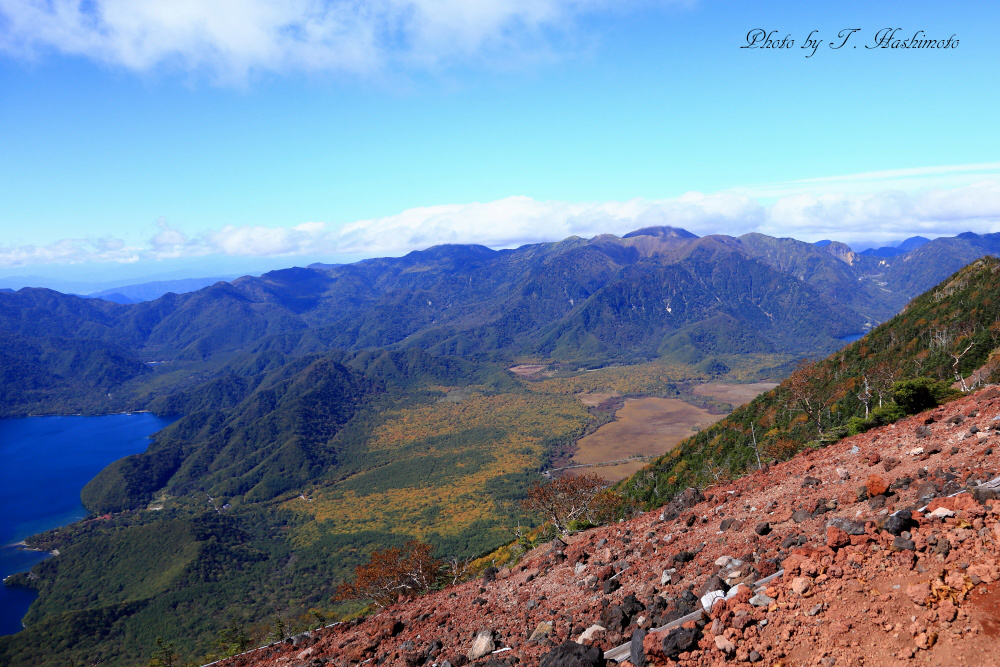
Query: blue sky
(140, 138)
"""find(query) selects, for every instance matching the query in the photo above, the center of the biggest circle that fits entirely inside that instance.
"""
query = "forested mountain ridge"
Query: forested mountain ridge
(944, 340)
(655, 293)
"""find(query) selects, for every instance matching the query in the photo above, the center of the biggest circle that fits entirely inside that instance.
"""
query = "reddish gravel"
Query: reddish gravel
(927, 596)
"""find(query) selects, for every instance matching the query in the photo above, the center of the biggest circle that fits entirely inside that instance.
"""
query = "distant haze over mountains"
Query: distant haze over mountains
(656, 293)
(130, 291)
(154, 290)
(153, 285)
(909, 244)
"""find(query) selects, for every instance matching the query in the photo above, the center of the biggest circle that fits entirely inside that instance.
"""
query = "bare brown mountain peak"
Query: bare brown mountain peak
(841, 251)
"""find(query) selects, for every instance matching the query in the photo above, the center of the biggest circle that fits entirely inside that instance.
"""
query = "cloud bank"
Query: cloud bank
(872, 218)
(234, 37)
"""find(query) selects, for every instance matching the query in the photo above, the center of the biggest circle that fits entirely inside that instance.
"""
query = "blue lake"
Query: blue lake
(44, 462)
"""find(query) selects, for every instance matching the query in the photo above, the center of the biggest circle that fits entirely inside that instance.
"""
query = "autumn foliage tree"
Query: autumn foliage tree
(565, 499)
(392, 572)
(806, 393)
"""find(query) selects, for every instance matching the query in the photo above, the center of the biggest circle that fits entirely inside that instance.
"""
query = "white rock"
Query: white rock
(481, 645)
(709, 598)
(942, 513)
(589, 634)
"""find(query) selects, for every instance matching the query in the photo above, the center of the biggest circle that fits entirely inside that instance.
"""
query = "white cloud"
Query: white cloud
(914, 178)
(234, 37)
(71, 251)
(870, 218)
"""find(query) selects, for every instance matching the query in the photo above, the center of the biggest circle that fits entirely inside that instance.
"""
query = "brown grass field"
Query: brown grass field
(734, 394)
(650, 426)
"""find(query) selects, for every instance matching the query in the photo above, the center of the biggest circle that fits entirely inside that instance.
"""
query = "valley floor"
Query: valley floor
(859, 583)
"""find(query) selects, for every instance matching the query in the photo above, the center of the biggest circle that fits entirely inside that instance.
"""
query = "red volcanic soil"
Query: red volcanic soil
(861, 583)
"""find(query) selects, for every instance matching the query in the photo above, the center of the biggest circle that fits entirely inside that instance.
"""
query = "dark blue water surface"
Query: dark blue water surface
(44, 462)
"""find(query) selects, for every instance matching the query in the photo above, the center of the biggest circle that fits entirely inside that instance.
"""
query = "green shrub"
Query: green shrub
(579, 524)
(919, 394)
(887, 414)
(857, 425)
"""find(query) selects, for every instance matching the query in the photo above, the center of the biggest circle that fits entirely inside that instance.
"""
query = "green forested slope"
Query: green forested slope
(901, 366)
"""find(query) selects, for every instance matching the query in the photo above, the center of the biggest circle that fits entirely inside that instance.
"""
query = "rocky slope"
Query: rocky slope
(876, 563)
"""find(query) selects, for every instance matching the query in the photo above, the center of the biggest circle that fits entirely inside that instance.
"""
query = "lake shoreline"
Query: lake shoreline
(48, 460)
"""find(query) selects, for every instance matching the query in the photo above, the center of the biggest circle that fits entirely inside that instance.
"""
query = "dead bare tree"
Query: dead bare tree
(883, 376)
(457, 568)
(564, 499)
(865, 396)
(756, 449)
(954, 366)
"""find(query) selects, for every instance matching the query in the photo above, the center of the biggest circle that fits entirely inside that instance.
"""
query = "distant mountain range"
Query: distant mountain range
(152, 287)
(909, 244)
(154, 290)
(657, 292)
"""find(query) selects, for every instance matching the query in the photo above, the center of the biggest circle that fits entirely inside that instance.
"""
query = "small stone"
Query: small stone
(836, 538)
(942, 513)
(919, 592)
(724, 645)
(730, 524)
(761, 600)
(876, 486)
(846, 525)
(900, 543)
(898, 522)
(801, 585)
(591, 634)
(754, 656)
(481, 645)
(800, 515)
(542, 630)
(710, 598)
(925, 640)
(571, 653)
(678, 641)
(762, 528)
(815, 610)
